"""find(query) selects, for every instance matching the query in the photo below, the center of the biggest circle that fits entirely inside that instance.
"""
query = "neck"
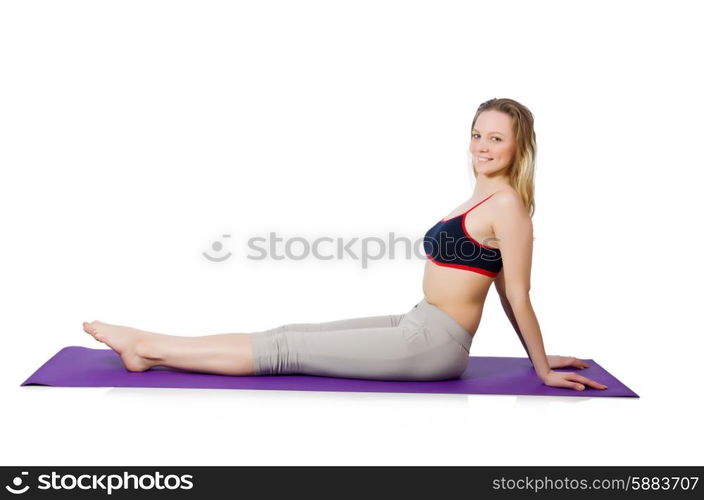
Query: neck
(485, 186)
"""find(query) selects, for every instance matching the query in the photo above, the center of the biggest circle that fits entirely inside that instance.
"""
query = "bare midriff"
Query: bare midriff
(461, 293)
(458, 292)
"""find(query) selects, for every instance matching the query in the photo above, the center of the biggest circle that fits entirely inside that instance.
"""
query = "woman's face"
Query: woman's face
(492, 137)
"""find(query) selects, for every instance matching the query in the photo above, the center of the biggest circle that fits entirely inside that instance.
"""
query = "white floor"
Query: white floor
(72, 426)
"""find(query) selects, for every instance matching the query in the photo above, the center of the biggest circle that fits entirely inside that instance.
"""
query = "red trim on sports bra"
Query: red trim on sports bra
(464, 217)
(466, 268)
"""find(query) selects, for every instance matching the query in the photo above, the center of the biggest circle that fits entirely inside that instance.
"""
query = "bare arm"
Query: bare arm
(500, 286)
(514, 231)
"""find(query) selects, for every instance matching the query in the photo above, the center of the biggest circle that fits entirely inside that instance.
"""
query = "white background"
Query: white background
(134, 134)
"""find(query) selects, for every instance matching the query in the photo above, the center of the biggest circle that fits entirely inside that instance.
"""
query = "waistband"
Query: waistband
(450, 325)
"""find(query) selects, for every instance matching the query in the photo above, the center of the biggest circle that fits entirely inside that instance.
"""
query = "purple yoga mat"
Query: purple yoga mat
(75, 366)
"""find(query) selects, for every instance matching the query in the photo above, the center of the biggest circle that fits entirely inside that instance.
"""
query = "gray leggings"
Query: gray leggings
(423, 344)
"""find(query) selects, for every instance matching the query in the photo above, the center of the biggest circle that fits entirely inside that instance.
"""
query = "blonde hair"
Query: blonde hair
(522, 170)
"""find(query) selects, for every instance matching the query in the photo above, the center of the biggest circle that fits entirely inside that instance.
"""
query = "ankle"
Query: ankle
(147, 347)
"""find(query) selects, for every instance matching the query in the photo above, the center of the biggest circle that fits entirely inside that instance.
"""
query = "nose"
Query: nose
(482, 147)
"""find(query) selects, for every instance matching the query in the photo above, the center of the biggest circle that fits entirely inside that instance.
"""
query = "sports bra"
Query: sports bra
(449, 244)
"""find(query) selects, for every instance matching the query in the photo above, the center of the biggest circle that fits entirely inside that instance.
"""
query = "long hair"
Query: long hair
(522, 170)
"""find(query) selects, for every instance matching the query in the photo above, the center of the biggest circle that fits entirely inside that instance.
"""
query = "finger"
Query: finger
(576, 385)
(597, 385)
(574, 381)
(571, 382)
(578, 363)
(587, 381)
(571, 385)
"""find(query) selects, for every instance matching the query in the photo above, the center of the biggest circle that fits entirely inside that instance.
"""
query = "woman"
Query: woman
(432, 340)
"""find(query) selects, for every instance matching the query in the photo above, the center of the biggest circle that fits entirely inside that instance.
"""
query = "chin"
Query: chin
(486, 170)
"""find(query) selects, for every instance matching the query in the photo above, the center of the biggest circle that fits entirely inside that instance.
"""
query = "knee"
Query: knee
(396, 319)
(272, 354)
(291, 327)
(282, 328)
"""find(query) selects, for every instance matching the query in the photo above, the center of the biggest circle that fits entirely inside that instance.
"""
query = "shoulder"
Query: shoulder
(508, 202)
(510, 212)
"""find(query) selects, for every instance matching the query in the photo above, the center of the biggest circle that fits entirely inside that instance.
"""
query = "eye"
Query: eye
(497, 138)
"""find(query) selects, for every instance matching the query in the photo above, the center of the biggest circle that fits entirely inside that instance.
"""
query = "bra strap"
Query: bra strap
(492, 194)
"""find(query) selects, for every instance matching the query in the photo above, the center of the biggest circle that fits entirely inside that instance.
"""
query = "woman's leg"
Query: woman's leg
(341, 324)
(140, 350)
(426, 344)
(418, 348)
(224, 354)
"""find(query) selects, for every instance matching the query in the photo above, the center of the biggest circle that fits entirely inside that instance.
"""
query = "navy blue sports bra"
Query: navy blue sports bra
(449, 244)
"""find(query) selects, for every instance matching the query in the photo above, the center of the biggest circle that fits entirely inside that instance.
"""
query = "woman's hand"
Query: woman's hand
(570, 380)
(566, 362)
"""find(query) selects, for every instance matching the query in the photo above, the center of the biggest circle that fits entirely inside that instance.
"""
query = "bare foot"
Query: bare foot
(131, 344)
